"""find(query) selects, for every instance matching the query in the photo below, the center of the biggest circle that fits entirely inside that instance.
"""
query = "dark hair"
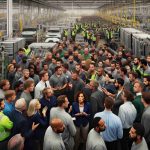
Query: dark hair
(148, 78)
(120, 81)
(96, 121)
(134, 74)
(144, 62)
(77, 95)
(139, 129)
(57, 67)
(146, 97)
(109, 102)
(66, 66)
(61, 100)
(128, 95)
(17, 84)
(44, 64)
(124, 70)
(75, 71)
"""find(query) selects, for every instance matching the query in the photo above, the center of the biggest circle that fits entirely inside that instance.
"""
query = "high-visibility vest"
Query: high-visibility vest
(93, 38)
(73, 33)
(66, 33)
(27, 51)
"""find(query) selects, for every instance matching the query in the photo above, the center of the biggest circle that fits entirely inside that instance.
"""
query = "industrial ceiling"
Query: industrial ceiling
(90, 4)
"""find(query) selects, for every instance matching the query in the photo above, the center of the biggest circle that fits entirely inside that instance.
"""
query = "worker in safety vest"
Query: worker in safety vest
(94, 39)
(66, 34)
(73, 34)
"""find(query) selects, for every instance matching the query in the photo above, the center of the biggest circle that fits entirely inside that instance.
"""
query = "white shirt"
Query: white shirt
(39, 88)
(127, 114)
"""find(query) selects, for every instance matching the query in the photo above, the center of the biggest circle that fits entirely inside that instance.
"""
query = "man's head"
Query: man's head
(44, 76)
(58, 70)
(138, 87)
(109, 103)
(26, 73)
(10, 95)
(92, 67)
(20, 104)
(143, 63)
(74, 75)
(119, 83)
(62, 101)
(47, 92)
(100, 71)
(57, 125)
(29, 85)
(4, 85)
(93, 85)
(136, 61)
(146, 81)
(99, 124)
(146, 98)
(137, 132)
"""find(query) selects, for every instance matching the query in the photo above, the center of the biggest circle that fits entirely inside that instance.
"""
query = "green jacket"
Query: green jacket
(139, 107)
(5, 126)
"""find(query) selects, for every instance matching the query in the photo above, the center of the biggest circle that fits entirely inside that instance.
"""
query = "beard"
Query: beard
(133, 139)
(117, 87)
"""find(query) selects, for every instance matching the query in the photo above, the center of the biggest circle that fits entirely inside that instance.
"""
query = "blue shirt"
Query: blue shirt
(113, 123)
(9, 107)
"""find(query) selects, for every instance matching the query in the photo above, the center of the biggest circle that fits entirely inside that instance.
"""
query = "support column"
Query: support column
(9, 18)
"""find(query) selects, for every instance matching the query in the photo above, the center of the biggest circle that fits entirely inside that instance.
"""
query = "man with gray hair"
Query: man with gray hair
(97, 98)
(20, 121)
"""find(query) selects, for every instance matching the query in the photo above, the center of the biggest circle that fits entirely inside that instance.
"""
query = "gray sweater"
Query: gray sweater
(95, 141)
(53, 141)
(140, 146)
(70, 130)
(145, 120)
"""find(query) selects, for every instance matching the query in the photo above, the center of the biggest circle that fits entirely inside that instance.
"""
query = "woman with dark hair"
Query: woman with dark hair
(5, 127)
(81, 112)
(127, 114)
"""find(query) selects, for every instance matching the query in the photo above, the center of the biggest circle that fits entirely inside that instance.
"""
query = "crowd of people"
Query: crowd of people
(80, 96)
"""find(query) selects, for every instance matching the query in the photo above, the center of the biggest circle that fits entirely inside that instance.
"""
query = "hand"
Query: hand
(84, 114)
(34, 126)
(44, 111)
(78, 114)
(70, 109)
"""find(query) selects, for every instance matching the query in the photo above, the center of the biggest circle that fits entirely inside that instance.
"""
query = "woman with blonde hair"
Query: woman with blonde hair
(34, 116)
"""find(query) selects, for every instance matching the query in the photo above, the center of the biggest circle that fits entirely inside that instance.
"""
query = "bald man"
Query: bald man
(52, 138)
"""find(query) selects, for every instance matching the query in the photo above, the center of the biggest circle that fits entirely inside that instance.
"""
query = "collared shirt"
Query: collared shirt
(113, 123)
(39, 88)
(138, 94)
(127, 114)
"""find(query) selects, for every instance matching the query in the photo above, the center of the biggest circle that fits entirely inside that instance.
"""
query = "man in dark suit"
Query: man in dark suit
(20, 122)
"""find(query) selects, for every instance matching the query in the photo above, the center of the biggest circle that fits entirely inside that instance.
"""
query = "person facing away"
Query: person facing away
(95, 140)
(114, 130)
(59, 112)
(52, 138)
